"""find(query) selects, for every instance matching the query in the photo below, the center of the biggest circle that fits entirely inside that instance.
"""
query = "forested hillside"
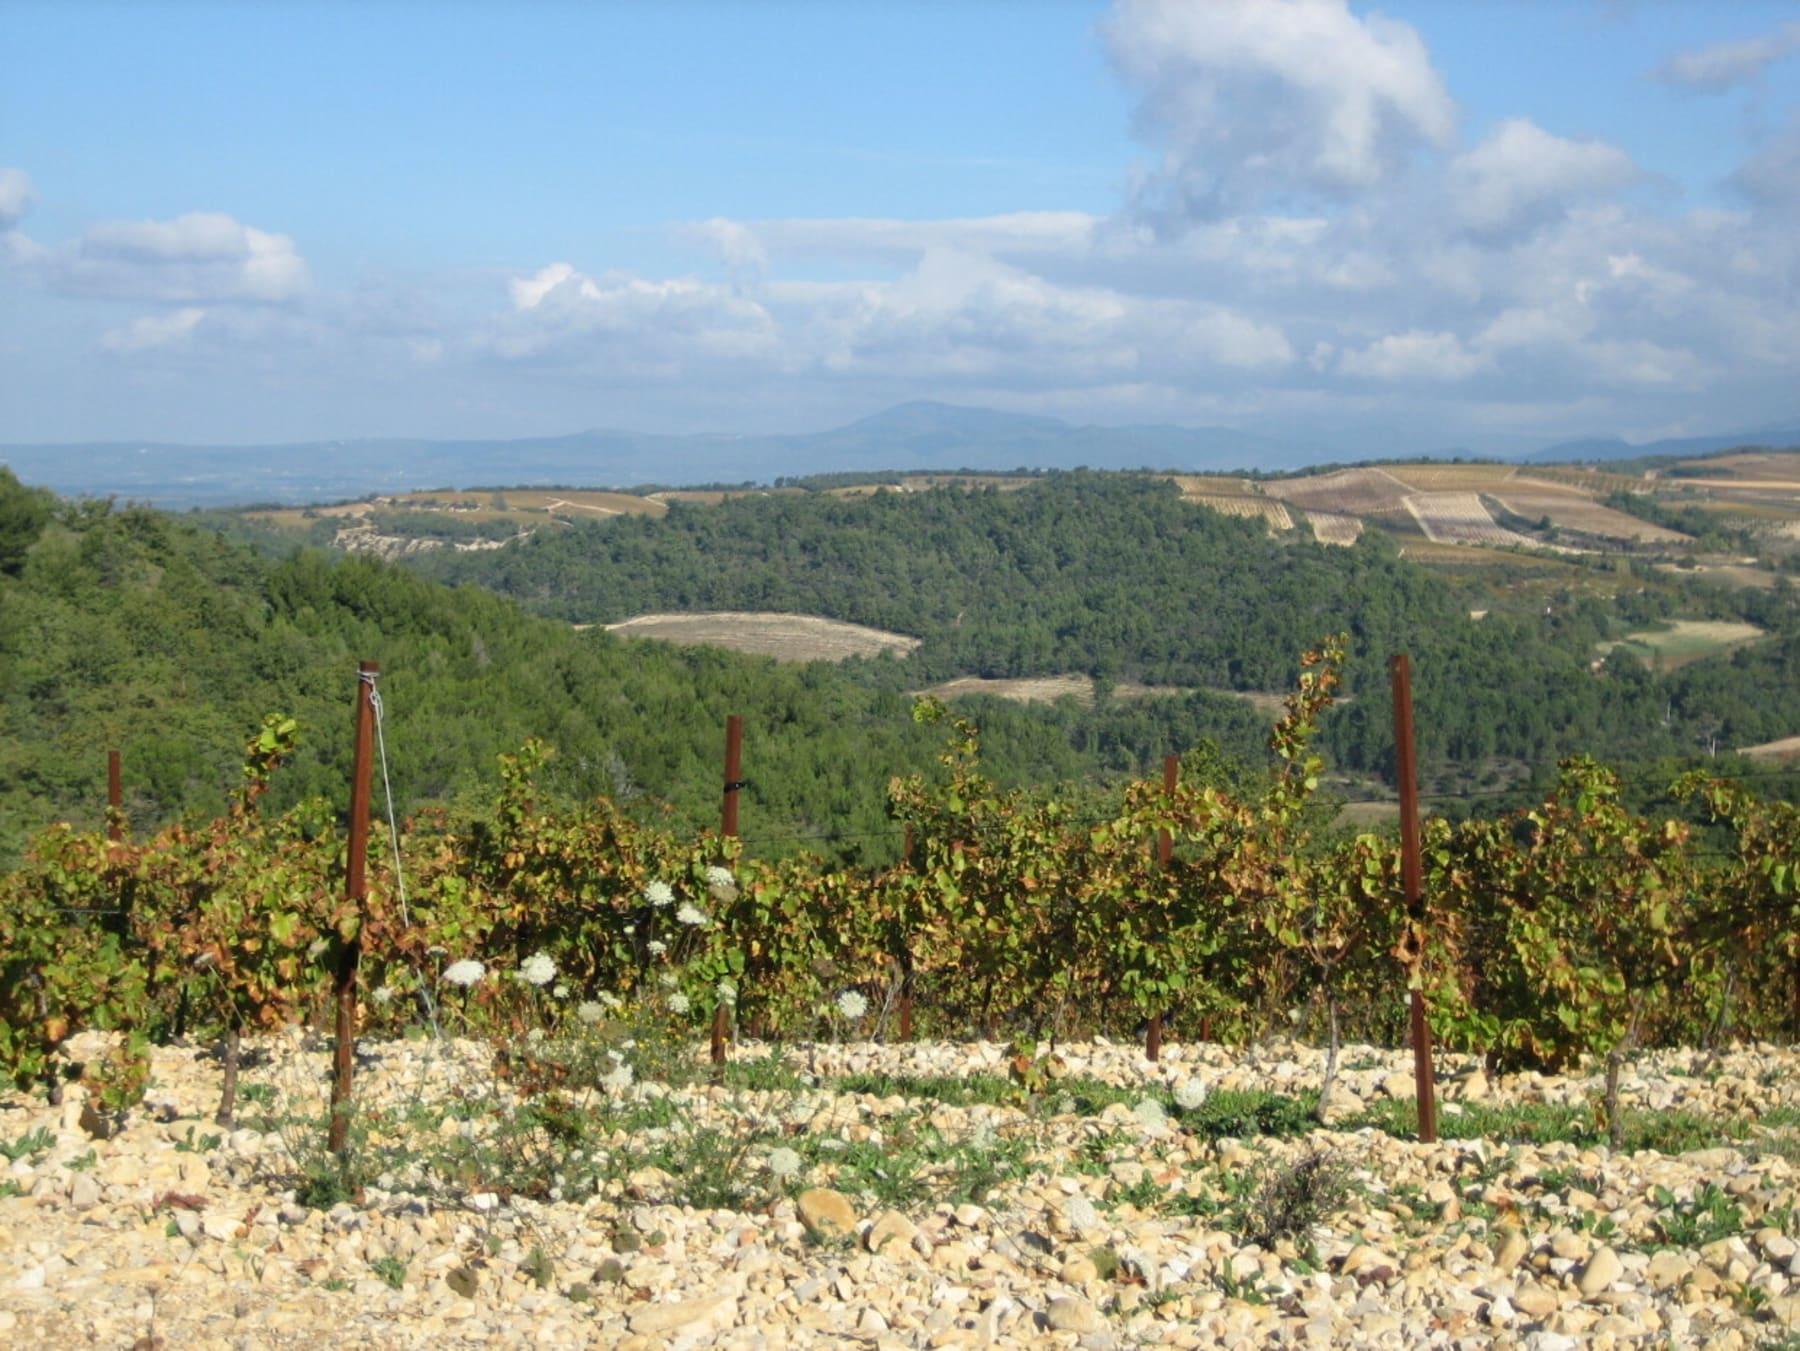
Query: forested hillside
(1115, 576)
(137, 630)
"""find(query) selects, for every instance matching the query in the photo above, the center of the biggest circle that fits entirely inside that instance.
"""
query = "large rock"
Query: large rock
(826, 1213)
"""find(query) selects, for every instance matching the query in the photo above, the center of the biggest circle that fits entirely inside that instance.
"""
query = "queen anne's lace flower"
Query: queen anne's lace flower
(678, 1002)
(656, 947)
(690, 914)
(727, 992)
(852, 1004)
(784, 1162)
(591, 1012)
(538, 969)
(464, 973)
(382, 994)
(1190, 1094)
(720, 884)
(1150, 1113)
(659, 894)
(618, 1079)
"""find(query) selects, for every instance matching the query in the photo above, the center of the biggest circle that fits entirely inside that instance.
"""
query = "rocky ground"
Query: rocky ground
(1118, 1228)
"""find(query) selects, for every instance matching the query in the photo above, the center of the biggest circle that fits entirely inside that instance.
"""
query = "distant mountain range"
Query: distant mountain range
(910, 436)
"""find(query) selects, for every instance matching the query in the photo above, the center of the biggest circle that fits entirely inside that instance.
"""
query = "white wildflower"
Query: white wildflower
(464, 973)
(1190, 1094)
(720, 885)
(678, 1002)
(784, 1162)
(1079, 1214)
(618, 1080)
(382, 994)
(591, 1012)
(630, 929)
(1150, 1114)
(668, 980)
(852, 1004)
(656, 947)
(535, 1035)
(609, 1000)
(560, 991)
(690, 914)
(659, 894)
(317, 948)
(538, 969)
(726, 991)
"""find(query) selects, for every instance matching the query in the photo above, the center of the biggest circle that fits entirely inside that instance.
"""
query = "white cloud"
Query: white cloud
(1771, 177)
(1414, 356)
(1259, 98)
(1718, 67)
(173, 330)
(1521, 175)
(203, 257)
(16, 197)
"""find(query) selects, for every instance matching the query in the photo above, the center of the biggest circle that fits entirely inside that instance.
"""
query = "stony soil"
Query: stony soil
(150, 1238)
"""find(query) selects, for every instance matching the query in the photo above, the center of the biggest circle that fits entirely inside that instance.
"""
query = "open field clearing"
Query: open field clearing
(1046, 689)
(904, 1197)
(1211, 485)
(1351, 492)
(1442, 478)
(784, 636)
(1273, 514)
(577, 504)
(711, 497)
(1724, 574)
(1768, 466)
(1572, 511)
(1460, 518)
(1329, 527)
(1783, 750)
(1004, 482)
(1686, 640)
(1597, 482)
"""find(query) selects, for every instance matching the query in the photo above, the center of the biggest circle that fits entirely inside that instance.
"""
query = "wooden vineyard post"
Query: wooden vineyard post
(115, 798)
(1413, 879)
(1165, 855)
(728, 826)
(906, 994)
(355, 892)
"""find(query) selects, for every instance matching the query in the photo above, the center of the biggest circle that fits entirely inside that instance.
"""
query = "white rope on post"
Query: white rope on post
(387, 788)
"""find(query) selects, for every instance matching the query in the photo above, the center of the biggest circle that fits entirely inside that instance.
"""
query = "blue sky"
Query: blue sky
(1448, 222)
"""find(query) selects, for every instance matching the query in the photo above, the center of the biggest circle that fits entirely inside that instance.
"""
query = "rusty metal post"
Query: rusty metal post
(356, 890)
(1165, 855)
(115, 798)
(1412, 872)
(905, 958)
(728, 826)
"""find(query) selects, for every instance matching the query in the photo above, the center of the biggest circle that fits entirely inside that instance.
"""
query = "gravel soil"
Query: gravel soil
(161, 1235)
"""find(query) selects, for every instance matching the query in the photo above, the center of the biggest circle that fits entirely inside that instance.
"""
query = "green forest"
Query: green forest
(141, 631)
(170, 639)
(1115, 576)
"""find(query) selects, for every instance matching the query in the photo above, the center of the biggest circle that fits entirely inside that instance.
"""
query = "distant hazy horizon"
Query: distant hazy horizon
(1371, 229)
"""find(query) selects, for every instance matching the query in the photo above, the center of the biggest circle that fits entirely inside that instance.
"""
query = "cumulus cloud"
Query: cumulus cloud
(1771, 177)
(953, 315)
(1521, 175)
(201, 258)
(1261, 99)
(1414, 356)
(174, 330)
(16, 197)
(1716, 68)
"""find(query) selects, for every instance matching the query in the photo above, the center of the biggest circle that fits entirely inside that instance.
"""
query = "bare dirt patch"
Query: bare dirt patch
(1787, 748)
(787, 637)
(1047, 689)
